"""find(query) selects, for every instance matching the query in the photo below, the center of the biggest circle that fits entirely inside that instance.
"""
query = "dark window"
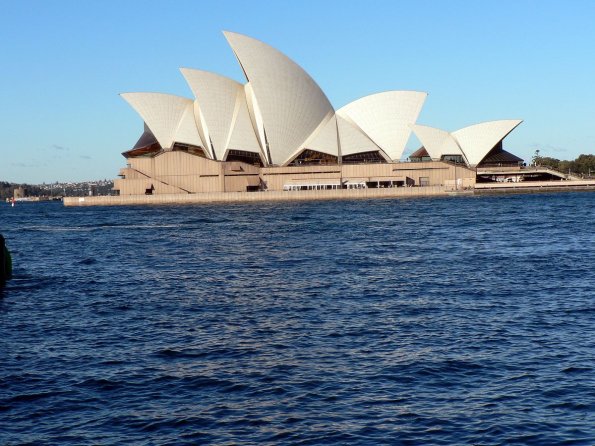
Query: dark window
(244, 157)
(457, 159)
(312, 157)
(364, 157)
(189, 148)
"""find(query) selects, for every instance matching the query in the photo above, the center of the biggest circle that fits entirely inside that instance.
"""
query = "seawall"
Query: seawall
(534, 187)
(227, 197)
(333, 194)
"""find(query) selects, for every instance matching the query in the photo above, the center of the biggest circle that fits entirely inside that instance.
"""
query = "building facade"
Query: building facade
(278, 131)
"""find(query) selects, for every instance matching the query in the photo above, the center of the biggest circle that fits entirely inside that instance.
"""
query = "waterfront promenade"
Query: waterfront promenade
(333, 194)
(215, 197)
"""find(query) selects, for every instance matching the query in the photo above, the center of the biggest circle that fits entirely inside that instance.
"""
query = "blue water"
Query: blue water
(451, 321)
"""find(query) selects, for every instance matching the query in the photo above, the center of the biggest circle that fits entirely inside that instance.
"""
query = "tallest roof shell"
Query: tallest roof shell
(291, 103)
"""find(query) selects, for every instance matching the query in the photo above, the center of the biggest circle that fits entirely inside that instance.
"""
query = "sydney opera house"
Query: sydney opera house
(277, 131)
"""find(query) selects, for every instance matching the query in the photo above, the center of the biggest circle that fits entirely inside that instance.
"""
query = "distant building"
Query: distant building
(279, 131)
(19, 192)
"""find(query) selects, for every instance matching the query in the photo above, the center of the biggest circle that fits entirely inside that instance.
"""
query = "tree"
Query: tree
(535, 158)
(584, 164)
(547, 161)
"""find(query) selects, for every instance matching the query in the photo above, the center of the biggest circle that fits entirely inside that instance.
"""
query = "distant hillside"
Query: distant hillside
(101, 187)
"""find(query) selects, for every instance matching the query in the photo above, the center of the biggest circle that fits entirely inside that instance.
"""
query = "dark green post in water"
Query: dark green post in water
(5, 262)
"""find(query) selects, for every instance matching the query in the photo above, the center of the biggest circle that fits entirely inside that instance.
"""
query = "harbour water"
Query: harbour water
(447, 321)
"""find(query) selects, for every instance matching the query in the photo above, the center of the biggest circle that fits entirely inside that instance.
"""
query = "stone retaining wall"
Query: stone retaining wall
(215, 197)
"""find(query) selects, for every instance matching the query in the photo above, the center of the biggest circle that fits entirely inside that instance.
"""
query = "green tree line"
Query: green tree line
(583, 165)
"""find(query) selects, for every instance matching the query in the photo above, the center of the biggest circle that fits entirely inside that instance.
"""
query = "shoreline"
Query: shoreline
(533, 190)
(263, 196)
(318, 195)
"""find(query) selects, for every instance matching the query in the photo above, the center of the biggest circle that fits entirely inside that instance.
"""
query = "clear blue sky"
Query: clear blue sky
(63, 64)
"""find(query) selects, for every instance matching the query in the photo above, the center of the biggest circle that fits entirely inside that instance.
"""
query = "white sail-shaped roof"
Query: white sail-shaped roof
(386, 118)
(437, 142)
(325, 139)
(242, 136)
(217, 97)
(291, 103)
(353, 140)
(477, 140)
(203, 131)
(187, 131)
(161, 112)
(256, 118)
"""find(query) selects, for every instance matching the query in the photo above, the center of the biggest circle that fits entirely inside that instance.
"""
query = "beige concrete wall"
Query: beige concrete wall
(182, 163)
(179, 172)
(437, 173)
(367, 170)
(302, 169)
(237, 183)
(132, 187)
(400, 192)
(143, 165)
(172, 172)
(131, 174)
(238, 168)
(276, 177)
(276, 180)
(165, 188)
(238, 176)
(459, 184)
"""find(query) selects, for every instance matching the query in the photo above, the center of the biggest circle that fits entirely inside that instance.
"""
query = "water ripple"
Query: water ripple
(407, 322)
